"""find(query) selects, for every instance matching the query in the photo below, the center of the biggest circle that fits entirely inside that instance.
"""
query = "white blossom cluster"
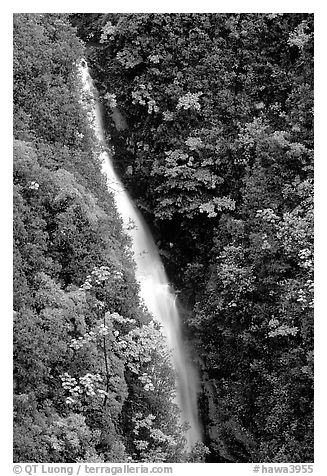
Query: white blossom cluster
(208, 208)
(305, 296)
(265, 245)
(298, 37)
(278, 329)
(142, 96)
(189, 101)
(87, 385)
(111, 99)
(268, 215)
(147, 382)
(152, 106)
(306, 259)
(34, 185)
(79, 135)
(168, 116)
(100, 331)
(194, 143)
(154, 58)
(217, 203)
(140, 421)
(108, 30)
(101, 276)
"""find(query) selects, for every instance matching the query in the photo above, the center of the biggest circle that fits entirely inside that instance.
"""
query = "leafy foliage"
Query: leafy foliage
(218, 154)
(87, 356)
(210, 120)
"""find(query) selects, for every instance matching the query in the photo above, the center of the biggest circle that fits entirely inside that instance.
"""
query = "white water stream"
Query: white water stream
(155, 290)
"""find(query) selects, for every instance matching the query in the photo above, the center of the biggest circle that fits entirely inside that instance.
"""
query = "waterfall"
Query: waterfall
(154, 287)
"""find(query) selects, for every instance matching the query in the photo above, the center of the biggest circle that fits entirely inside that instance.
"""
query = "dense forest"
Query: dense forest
(209, 120)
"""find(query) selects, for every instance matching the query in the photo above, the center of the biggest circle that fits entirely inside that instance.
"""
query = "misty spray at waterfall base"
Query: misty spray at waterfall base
(154, 287)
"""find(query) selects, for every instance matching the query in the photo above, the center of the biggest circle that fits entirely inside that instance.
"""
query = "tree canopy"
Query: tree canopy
(219, 156)
(209, 118)
(92, 372)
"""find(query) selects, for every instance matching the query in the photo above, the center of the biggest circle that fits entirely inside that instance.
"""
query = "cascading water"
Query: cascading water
(154, 287)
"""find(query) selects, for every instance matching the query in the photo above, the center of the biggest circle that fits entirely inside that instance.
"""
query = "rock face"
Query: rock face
(227, 439)
(118, 119)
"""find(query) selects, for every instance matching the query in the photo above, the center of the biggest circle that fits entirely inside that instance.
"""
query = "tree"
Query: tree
(218, 155)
